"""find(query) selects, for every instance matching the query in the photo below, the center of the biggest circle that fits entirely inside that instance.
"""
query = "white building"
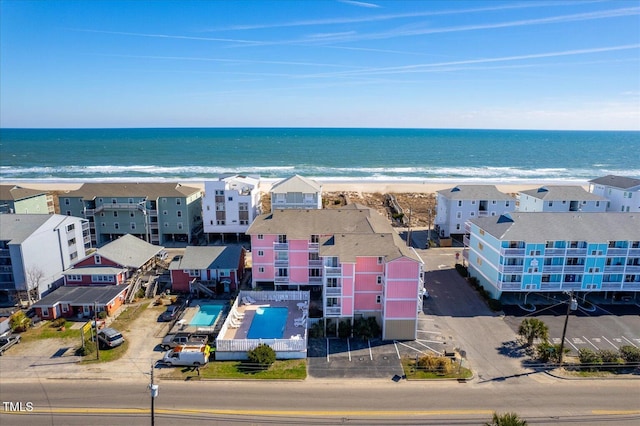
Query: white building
(36, 249)
(457, 205)
(230, 204)
(560, 199)
(296, 192)
(622, 193)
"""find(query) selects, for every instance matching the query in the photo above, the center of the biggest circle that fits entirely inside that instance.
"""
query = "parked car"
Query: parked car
(173, 311)
(7, 341)
(172, 340)
(110, 338)
(187, 355)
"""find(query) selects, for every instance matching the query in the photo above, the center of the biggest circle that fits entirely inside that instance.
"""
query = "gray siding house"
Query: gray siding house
(159, 213)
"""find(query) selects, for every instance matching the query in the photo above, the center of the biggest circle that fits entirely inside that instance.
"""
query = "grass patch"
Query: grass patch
(47, 331)
(122, 324)
(416, 373)
(292, 369)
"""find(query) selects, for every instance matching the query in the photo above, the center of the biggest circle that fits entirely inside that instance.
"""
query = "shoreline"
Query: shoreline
(426, 186)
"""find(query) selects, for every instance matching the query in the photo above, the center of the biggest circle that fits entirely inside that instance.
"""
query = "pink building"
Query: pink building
(350, 259)
(211, 269)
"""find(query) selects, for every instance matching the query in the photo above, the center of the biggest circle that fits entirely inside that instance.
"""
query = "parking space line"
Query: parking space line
(370, 353)
(349, 348)
(633, 344)
(395, 343)
(569, 342)
(427, 346)
(431, 332)
(588, 341)
(327, 349)
(610, 342)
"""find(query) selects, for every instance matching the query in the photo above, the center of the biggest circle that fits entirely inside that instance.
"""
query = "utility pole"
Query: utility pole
(95, 323)
(572, 305)
(154, 393)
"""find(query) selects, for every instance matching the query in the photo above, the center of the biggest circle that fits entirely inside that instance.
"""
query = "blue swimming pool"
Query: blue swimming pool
(268, 323)
(206, 315)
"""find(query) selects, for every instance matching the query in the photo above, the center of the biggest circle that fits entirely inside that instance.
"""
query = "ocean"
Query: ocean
(433, 155)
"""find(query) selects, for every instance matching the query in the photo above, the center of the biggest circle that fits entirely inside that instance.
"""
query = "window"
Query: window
(260, 237)
(220, 222)
(379, 278)
(378, 299)
(493, 202)
(550, 203)
(71, 227)
(473, 202)
(116, 225)
(380, 260)
(459, 203)
(219, 192)
(597, 203)
(261, 269)
(472, 214)
(114, 201)
(166, 224)
(164, 200)
(194, 272)
(74, 277)
(315, 238)
(71, 242)
(132, 225)
(179, 213)
(45, 312)
(66, 202)
(479, 261)
(180, 225)
(65, 308)
(132, 214)
(506, 203)
(165, 212)
(457, 227)
(480, 246)
(73, 255)
(282, 239)
(314, 272)
(178, 201)
(115, 213)
(260, 253)
(459, 215)
(229, 198)
(208, 208)
(97, 259)
(130, 200)
(211, 222)
(103, 224)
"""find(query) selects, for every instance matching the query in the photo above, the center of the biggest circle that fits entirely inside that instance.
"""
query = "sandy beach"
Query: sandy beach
(382, 187)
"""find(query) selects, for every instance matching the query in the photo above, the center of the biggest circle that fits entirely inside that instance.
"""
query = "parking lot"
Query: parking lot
(608, 327)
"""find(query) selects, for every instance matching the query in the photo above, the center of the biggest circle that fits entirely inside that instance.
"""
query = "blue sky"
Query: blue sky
(521, 64)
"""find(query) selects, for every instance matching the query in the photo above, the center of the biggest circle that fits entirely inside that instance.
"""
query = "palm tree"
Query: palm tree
(506, 419)
(532, 328)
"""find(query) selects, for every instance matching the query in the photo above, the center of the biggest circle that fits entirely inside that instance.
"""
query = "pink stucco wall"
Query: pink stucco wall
(401, 309)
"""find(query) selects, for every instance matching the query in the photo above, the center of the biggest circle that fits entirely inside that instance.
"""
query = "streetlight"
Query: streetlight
(572, 305)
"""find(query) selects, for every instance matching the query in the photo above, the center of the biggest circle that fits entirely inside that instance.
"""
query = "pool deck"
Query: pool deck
(183, 324)
(249, 311)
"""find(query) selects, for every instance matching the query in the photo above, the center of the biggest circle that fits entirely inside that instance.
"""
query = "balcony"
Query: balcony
(634, 252)
(465, 240)
(332, 271)
(614, 251)
(4, 253)
(511, 252)
(510, 269)
(281, 246)
(611, 269)
(552, 268)
(631, 286)
(315, 280)
(554, 252)
(550, 285)
(314, 246)
(333, 291)
(281, 262)
(576, 252)
(332, 311)
(573, 268)
(611, 285)
(510, 285)
(632, 269)
(314, 262)
(281, 280)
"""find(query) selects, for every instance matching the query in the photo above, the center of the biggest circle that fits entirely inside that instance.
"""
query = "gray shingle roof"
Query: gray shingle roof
(542, 227)
(15, 193)
(17, 227)
(357, 231)
(129, 251)
(210, 257)
(151, 190)
(562, 192)
(474, 192)
(296, 183)
(620, 182)
(81, 295)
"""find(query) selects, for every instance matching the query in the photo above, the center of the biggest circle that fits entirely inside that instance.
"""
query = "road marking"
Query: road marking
(431, 332)
(428, 347)
(590, 343)
(569, 342)
(370, 353)
(249, 412)
(443, 266)
(633, 344)
(395, 343)
(349, 349)
(610, 342)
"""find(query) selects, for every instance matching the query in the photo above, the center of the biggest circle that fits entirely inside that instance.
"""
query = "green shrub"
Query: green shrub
(435, 364)
(102, 314)
(630, 354)
(58, 322)
(316, 331)
(462, 270)
(140, 294)
(546, 352)
(19, 322)
(366, 328)
(590, 358)
(495, 305)
(345, 329)
(609, 357)
(262, 355)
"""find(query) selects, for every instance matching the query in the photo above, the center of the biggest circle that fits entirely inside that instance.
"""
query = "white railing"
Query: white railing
(330, 270)
(245, 345)
(512, 251)
(333, 291)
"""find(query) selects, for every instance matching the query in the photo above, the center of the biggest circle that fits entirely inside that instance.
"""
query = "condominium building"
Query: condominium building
(351, 260)
(296, 192)
(622, 193)
(230, 204)
(16, 199)
(159, 213)
(34, 251)
(555, 252)
(560, 199)
(463, 202)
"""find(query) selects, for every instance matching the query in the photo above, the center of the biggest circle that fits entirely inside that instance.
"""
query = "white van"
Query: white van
(187, 355)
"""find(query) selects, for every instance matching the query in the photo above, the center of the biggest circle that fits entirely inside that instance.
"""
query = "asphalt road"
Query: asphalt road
(321, 402)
